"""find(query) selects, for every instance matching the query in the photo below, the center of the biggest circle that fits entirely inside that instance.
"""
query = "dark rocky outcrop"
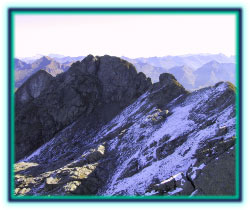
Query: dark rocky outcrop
(166, 90)
(33, 87)
(99, 85)
(218, 177)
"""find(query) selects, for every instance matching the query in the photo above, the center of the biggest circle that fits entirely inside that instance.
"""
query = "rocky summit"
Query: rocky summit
(95, 89)
(101, 128)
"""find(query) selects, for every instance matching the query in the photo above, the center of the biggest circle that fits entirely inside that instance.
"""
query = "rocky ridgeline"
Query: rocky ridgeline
(97, 87)
(103, 129)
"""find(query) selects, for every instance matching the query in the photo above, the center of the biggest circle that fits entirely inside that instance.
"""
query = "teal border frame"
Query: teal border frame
(123, 11)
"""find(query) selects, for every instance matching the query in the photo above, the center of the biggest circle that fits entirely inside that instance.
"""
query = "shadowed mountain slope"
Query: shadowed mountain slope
(45, 105)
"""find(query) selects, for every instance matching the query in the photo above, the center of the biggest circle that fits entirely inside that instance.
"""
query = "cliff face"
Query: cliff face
(97, 86)
(106, 130)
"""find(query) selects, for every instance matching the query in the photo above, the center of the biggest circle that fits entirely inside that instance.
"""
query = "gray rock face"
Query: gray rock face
(166, 90)
(95, 86)
(119, 79)
(218, 177)
(34, 86)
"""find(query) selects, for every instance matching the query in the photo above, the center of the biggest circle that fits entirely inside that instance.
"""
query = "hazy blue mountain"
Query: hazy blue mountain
(50, 65)
(205, 58)
(192, 71)
(23, 70)
(68, 59)
(57, 57)
(214, 72)
(21, 65)
(31, 59)
(193, 61)
(151, 71)
(207, 75)
(185, 75)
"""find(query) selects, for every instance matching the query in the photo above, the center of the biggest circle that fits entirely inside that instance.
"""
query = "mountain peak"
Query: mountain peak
(213, 63)
(166, 78)
(166, 90)
(41, 62)
(20, 65)
(97, 86)
(40, 73)
(46, 58)
(165, 142)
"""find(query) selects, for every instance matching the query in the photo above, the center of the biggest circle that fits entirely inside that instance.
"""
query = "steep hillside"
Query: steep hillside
(161, 140)
(143, 151)
(97, 87)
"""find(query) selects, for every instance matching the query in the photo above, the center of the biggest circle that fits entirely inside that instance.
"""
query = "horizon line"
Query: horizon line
(53, 55)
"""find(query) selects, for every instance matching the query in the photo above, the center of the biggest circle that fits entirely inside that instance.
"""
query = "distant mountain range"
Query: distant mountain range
(57, 57)
(207, 75)
(185, 75)
(68, 59)
(193, 61)
(151, 71)
(192, 71)
(24, 70)
(213, 72)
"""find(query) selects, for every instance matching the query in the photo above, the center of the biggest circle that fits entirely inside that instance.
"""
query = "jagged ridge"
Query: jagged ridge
(96, 88)
(168, 141)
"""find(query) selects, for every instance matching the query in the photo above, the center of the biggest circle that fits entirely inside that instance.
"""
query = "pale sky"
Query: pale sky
(124, 35)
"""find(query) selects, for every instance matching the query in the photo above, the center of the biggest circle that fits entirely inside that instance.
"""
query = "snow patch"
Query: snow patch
(175, 191)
